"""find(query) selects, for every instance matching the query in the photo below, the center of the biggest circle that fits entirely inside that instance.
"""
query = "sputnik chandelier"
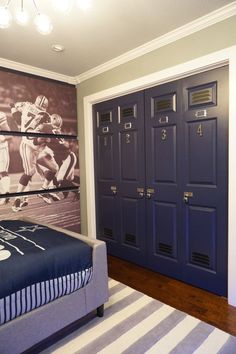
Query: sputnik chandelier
(42, 21)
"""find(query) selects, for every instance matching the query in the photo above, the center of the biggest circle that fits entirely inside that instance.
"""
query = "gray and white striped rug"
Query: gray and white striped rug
(136, 323)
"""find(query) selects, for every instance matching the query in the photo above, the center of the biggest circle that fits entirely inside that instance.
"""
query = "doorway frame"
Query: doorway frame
(214, 60)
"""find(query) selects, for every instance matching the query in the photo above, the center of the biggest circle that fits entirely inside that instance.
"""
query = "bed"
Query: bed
(23, 332)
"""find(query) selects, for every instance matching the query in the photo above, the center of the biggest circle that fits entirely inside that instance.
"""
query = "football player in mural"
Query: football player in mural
(4, 159)
(65, 158)
(29, 116)
(46, 165)
(58, 153)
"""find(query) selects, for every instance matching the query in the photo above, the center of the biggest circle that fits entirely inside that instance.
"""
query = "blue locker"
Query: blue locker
(163, 174)
(205, 155)
(120, 176)
(161, 160)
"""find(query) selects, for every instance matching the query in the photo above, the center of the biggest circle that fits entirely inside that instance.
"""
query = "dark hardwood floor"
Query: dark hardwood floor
(199, 303)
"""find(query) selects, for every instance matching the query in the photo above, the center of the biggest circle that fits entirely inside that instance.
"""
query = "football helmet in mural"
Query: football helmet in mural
(41, 102)
(56, 121)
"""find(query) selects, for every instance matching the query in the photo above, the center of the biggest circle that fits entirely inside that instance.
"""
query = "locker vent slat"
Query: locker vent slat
(200, 259)
(128, 112)
(202, 96)
(130, 239)
(105, 117)
(165, 248)
(163, 105)
(166, 103)
(108, 232)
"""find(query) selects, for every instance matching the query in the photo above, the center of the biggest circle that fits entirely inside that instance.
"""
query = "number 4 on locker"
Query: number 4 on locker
(199, 130)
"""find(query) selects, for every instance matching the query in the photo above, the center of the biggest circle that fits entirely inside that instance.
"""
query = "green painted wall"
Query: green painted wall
(209, 40)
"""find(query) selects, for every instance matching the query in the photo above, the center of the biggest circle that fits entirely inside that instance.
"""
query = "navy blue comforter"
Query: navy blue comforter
(31, 253)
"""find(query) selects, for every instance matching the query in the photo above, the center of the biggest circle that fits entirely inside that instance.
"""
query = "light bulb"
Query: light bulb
(5, 17)
(22, 17)
(43, 24)
(84, 4)
(63, 6)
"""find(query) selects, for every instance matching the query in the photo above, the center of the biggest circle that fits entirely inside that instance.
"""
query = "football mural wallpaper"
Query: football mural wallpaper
(39, 150)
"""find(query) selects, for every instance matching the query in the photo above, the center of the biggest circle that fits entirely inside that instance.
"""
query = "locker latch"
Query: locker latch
(150, 192)
(186, 197)
(140, 192)
(114, 190)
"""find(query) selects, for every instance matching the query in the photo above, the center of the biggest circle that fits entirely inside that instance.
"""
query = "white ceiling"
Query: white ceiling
(109, 29)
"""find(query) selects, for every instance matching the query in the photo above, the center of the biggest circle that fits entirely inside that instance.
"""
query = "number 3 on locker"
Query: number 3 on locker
(163, 134)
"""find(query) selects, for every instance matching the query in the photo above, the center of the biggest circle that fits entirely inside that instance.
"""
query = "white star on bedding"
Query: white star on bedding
(31, 228)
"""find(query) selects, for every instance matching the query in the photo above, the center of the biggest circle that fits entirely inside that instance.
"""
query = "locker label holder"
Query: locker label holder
(105, 130)
(163, 120)
(128, 125)
(201, 114)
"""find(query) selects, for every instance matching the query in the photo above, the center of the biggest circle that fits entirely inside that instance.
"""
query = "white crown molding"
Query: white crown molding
(36, 71)
(181, 32)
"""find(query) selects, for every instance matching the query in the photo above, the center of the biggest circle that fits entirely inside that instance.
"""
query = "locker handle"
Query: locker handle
(186, 197)
(140, 192)
(114, 190)
(150, 192)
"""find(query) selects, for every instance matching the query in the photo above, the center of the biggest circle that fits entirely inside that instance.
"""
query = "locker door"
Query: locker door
(107, 172)
(132, 177)
(204, 179)
(163, 114)
(120, 176)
